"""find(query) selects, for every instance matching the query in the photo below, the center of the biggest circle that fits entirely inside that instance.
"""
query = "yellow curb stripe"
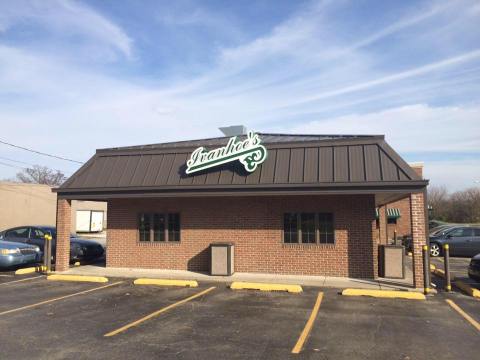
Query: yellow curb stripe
(467, 317)
(467, 288)
(239, 285)
(21, 280)
(158, 312)
(28, 270)
(439, 272)
(81, 278)
(165, 282)
(391, 294)
(58, 298)
(308, 326)
(432, 267)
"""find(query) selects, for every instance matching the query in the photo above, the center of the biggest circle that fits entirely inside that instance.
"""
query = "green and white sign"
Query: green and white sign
(250, 152)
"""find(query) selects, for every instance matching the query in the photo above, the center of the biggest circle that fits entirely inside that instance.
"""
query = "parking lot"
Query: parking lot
(56, 320)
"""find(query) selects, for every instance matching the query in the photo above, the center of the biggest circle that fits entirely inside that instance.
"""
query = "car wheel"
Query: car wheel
(434, 250)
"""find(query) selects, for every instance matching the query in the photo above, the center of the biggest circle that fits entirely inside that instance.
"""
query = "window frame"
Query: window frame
(316, 229)
(166, 229)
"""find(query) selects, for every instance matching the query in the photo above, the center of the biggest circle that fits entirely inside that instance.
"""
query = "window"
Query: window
(476, 232)
(17, 233)
(37, 234)
(158, 227)
(392, 221)
(461, 232)
(290, 231)
(144, 227)
(308, 228)
(174, 227)
(153, 227)
(325, 228)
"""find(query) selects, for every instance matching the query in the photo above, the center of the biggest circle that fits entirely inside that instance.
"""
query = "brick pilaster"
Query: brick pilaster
(64, 214)
(382, 224)
(419, 235)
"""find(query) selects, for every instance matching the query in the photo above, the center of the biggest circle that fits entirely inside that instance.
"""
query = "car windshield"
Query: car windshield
(439, 230)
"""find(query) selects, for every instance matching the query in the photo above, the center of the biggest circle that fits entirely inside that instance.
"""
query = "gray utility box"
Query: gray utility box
(391, 261)
(222, 259)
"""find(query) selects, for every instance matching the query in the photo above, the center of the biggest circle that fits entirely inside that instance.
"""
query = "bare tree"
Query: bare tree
(41, 175)
(465, 206)
(438, 199)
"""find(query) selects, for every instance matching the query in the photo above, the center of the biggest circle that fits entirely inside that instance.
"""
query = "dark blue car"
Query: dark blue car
(80, 249)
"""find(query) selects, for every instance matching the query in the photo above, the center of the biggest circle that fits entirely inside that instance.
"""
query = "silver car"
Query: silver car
(15, 254)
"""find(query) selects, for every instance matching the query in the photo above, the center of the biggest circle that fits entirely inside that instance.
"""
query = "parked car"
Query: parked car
(15, 254)
(463, 241)
(474, 268)
(80, 249)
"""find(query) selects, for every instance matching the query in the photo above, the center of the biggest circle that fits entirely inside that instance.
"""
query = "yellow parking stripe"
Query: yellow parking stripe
(308, 326)
(467, 317)
(58, 298)
(27, 279)
(158, 312)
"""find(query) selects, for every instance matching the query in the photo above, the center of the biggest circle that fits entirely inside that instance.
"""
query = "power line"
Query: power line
(12, 166)
(25, 163)
(40, 153)
(17, 161)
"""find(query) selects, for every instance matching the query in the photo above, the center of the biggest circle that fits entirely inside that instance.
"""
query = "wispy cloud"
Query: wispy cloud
(324, 67)
(65, 19)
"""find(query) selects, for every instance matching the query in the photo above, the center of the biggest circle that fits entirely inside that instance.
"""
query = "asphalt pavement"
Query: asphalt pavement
(43, 319)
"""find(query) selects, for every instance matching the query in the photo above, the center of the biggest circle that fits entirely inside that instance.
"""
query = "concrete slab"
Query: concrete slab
(305, 280)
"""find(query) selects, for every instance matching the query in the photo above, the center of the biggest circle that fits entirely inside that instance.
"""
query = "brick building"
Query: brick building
(291, 204)
(398, 222)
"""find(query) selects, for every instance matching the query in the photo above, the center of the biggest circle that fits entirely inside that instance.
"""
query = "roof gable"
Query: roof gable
(293, 161)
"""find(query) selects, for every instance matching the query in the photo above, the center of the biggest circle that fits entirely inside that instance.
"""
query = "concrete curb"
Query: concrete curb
(467, 288)
(79, 278)
(390, 294)
(239, 285)
(165, 282)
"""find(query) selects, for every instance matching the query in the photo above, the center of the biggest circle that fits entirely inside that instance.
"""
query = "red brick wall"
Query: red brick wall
(64, 214)
(403, 225)
(255, 225)
(419, 236)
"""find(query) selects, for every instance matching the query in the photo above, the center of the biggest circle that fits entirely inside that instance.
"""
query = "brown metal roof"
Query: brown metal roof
(293, 162)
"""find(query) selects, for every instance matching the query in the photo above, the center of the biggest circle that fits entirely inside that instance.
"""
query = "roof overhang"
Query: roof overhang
(384, 193)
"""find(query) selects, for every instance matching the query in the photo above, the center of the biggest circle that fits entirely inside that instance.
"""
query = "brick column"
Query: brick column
(64, 215)
(382, 224)
(419, 235)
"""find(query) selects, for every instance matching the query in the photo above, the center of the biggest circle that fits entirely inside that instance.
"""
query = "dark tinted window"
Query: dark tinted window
(144, 227)
(290, 234)
(37, 234)
(173, 227)
(18, 233)
(308, 228)
(153, 227)
(158, 227)
(461, 232)
(392, 221)
(476, 232)
(326, 230)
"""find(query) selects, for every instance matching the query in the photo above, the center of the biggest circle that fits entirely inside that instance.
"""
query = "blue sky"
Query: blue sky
(80, 75)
